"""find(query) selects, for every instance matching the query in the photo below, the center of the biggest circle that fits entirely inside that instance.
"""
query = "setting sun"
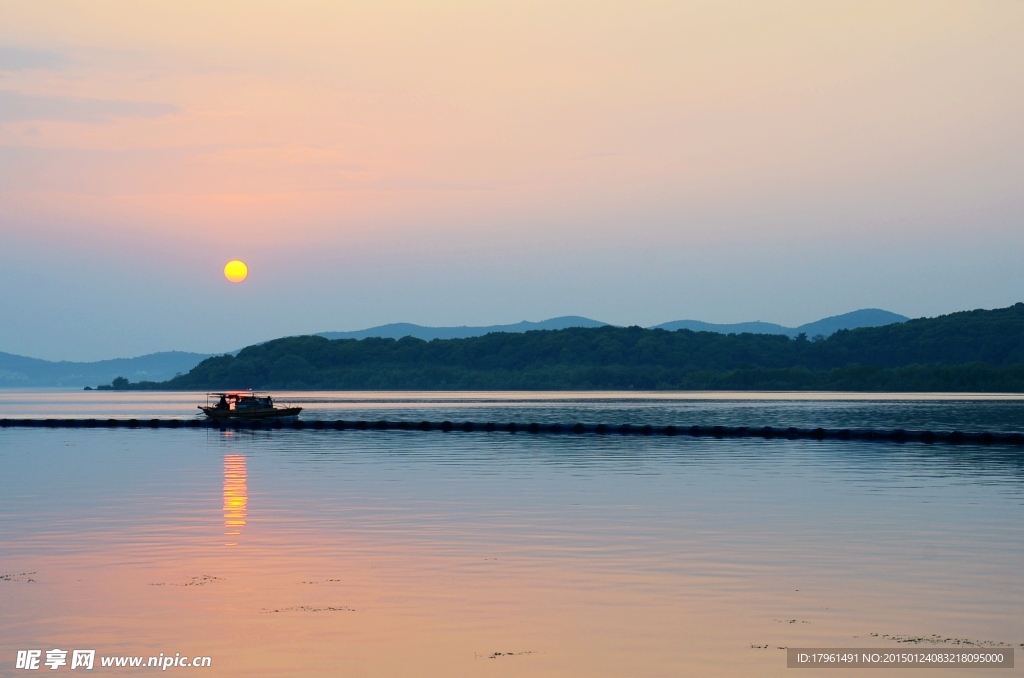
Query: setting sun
(236, 271)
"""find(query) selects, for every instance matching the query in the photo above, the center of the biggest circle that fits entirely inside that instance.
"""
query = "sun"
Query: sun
(236, 271)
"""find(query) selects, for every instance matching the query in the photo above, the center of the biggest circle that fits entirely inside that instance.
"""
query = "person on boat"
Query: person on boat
(223, 404)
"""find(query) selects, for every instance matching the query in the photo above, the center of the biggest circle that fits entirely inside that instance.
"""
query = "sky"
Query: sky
(477, 163)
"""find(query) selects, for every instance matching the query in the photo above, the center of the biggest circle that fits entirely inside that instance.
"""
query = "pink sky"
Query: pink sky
(478, 163)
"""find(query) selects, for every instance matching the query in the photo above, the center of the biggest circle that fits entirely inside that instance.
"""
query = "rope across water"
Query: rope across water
(768, 432)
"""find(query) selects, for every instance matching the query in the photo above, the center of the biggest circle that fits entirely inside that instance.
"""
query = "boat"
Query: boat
(244, 405)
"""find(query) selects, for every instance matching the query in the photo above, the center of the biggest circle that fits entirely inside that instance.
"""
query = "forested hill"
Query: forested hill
(969, 351)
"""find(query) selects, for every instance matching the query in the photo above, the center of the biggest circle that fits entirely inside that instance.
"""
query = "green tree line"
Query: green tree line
(969, 351)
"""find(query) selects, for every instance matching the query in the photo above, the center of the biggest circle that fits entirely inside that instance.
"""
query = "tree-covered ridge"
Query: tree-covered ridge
(973, 350)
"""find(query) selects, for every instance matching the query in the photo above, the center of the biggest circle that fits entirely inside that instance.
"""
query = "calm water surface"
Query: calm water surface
(328, 553)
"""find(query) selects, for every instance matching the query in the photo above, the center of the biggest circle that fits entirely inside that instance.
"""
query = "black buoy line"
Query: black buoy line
(767, 432)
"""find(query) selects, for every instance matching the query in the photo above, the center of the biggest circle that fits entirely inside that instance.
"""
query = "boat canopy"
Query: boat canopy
(238, 400)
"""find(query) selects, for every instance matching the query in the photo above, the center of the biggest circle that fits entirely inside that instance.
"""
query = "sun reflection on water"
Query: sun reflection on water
(236, 496)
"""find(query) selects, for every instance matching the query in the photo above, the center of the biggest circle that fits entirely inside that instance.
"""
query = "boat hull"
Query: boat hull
(265, 413)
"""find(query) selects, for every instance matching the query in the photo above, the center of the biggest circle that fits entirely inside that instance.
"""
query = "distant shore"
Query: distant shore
(972, 351)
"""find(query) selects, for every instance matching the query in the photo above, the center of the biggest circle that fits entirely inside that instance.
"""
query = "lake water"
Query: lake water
(325, 553)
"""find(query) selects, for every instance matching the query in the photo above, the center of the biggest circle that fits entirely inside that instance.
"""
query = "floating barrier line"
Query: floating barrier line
(768, 432)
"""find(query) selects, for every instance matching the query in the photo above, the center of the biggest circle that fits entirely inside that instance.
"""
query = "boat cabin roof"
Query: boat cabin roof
(234, 395)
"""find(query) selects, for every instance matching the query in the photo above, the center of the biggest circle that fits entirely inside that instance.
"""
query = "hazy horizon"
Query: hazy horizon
(456, 164)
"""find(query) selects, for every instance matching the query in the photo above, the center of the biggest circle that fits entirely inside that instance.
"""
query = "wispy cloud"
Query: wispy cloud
(23, 58)
(18, 107)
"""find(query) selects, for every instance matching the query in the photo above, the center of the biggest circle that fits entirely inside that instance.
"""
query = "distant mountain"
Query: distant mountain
(865, 317)
(399, 330)
(18, 371)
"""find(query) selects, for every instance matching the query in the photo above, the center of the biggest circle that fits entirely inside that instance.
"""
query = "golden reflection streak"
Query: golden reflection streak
(236, 496)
